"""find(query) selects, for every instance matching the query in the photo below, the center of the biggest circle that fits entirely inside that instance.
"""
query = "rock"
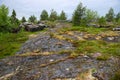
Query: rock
(98, 76)
(28, 68)
(51, 60)
(93, 25)
(116, 29)
(96, 55)
(67, 69)
(33, 27)
(45, 43)
(98, 37)
(110, 38)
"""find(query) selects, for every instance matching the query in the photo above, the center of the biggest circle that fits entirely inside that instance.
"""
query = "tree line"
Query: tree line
(81, 16)
(7, 23)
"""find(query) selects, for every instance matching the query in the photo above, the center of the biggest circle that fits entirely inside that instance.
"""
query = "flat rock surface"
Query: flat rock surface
(30, 67)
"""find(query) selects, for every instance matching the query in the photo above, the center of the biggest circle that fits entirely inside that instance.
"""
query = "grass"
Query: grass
(116, 76)
(90, 30)
(95, 46)
(10, 43)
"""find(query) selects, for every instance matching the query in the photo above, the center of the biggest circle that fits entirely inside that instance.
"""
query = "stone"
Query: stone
(110, 38)
(116, 29)
(51, 60)
(93, 25)
(96, 55)
(67, 69)
(98, 37)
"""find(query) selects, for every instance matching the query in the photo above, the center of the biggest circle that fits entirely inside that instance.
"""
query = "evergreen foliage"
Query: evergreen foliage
(44, 15)
(110, 15)
(78, 15)
(62, 16)
(32, 19)
(53, 15)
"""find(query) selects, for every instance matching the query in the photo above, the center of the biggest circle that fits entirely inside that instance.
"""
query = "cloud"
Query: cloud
(30, 7)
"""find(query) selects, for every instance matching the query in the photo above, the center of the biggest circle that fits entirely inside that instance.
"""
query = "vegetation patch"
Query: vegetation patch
(93, 46)
(10, 43)
(90, 30)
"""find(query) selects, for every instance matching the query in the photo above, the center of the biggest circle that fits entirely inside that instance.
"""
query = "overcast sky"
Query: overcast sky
(30, 7)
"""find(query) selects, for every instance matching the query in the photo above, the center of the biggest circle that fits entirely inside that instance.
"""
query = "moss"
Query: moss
(103, 58)
(90, 30)
(93, 46)
(116, 76)
(10, 43)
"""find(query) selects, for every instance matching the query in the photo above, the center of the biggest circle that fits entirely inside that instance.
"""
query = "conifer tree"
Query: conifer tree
(78, 15)
(44, 15)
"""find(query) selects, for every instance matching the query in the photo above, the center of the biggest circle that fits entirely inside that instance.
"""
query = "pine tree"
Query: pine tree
(91, 16)
(3, 15)
(53, 15)
(110, 15)
(4, 24)
(118, 16)
(78, 15)
(102, 21)
(14, 21)
(23, 20)
(13, 14)
(62, 16)
(32, 19)
(44, 15)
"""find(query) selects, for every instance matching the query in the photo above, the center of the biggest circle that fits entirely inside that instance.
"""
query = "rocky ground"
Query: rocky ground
(38, 58)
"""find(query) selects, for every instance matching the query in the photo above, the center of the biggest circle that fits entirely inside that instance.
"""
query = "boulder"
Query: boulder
(32, 27)
(93, 25)
(116, 29)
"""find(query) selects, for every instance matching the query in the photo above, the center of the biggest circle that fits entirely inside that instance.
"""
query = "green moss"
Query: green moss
(103, 57)
(90, 30)
(10, 43)
(116, 76)
(93, 46)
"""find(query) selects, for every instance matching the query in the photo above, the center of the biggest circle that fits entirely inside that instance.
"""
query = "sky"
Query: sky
(34, 7)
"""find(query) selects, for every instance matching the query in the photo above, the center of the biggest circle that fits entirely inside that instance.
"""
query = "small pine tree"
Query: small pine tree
(13, 15)
(14, 21)
(4, 23)
(91, 16)
(53, 15)
(118, 22)
(78, 15)
(44, 15)
(32, 19)
(62, 16)
(102, 21)
(110, 15)
(23, 20)
(118, 16)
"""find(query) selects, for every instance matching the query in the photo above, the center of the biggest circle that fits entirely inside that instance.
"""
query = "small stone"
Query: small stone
(67, 69)
(111, 38)
(97, 55)
(51, 60)
(98, 37)
(85, 56)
